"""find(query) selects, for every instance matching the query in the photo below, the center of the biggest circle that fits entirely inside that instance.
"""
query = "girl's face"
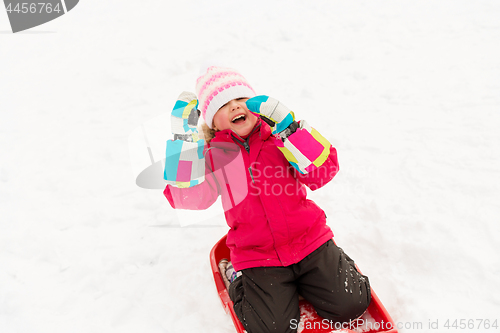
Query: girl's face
(235, 115)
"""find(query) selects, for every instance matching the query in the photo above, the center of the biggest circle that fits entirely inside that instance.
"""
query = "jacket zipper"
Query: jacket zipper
(244, 142)
(251, 174)
(246, 145)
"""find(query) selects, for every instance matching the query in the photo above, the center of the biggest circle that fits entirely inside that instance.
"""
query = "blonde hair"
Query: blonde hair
(208, 133)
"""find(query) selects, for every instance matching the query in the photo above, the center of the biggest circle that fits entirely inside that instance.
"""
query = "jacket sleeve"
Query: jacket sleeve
(305, 148)
(312, 156)
(320, 176)
(198, 197)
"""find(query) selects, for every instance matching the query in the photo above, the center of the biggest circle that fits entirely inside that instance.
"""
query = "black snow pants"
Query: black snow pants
(266, 299)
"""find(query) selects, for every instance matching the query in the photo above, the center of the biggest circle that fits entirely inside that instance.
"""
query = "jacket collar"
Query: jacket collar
(261, 130)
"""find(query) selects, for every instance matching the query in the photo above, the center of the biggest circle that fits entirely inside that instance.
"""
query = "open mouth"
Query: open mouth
(239, 119)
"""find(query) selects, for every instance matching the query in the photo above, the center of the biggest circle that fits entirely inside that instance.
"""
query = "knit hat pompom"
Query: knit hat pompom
(218, 86)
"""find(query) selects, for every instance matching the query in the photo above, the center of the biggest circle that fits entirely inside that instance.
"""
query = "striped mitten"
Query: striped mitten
(301, 144)
(305, 148)
(185, 163)
(277, 115)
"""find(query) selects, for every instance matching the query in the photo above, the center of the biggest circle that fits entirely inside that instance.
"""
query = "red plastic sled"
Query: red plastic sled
(375, 319)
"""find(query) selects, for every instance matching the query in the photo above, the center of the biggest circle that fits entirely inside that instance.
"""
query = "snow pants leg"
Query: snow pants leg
(266, 299)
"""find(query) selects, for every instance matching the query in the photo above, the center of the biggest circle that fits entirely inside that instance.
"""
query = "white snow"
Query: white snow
(408, 92)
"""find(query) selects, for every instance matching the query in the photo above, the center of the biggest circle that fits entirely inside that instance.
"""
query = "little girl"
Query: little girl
(259, 160)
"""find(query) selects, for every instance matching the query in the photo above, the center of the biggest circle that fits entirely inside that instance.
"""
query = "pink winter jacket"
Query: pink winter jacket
(264, 199)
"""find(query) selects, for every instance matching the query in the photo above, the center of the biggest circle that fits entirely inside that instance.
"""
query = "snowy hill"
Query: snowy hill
(407, 91)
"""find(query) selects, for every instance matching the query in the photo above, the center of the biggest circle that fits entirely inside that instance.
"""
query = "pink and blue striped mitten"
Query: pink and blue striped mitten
(303, 146)
(184, 162)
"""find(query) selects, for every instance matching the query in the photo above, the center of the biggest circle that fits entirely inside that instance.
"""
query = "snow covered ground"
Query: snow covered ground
(408, 92)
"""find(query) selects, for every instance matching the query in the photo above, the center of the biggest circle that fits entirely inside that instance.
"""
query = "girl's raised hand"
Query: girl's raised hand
(302, 145)
(184, 162)
(267, 107)
(184, 117)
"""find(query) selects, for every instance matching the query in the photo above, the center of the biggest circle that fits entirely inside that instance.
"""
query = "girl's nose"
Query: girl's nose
(234, 106)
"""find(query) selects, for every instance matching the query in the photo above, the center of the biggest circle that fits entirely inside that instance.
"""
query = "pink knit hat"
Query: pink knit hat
(217, 87)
